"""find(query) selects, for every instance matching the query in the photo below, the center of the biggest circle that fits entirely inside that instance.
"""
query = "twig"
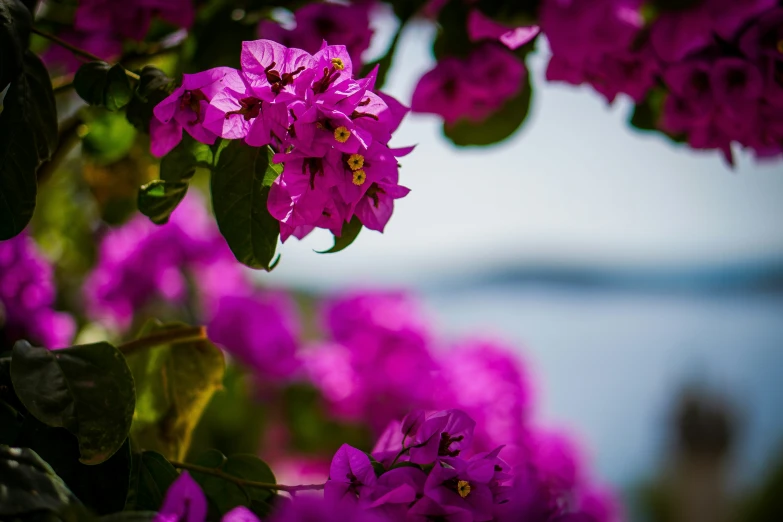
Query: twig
(243, 482)
(177, 335)
(76, 50)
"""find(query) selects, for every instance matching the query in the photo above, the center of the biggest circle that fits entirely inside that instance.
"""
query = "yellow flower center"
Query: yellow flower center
(338, 64)
(463, 488)
(359, 177)
(780, 46)
(342, 134)
(356, 161)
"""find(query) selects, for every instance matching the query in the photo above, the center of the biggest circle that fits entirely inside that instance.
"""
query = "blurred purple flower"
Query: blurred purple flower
(140, 262)
(27, 296)
(338, 24)
(261, 330)
(184, 502)
(131, 19)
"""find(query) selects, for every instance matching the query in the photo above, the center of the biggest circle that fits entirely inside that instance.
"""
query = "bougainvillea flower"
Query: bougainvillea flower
(261, 330)
(376, 207)
(351, 476)
(275, 72)
(463, 485)
(184, 502)
(481, 27)
(496, 75)
(27, 296)
(131, 19)
(443, 434)
(395, 491)
(186, 108)
(737, 84)
(346, 25)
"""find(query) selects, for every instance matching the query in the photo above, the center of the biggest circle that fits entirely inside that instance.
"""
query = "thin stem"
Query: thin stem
(243, 482)
(177, 335)
(76, 50)
(400, 454)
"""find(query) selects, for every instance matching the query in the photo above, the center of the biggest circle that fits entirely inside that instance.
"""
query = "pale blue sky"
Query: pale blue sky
(576, 185)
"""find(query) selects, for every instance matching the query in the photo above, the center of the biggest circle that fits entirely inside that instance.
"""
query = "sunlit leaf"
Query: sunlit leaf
(159, 198)
(174, 383)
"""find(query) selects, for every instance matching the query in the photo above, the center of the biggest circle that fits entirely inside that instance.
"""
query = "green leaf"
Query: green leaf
(498, 127)
(10, 423)
(348, 235)
(150, 479)
(87, 390)
(130, 516)
(109, 136)
(174, 383)
(28, 137)
(28, 484)
(103, 85)
(153, 87)
(15, 22)
(240, 189)
(158, 199)
(103, 488)
(180, 164)
(226, 495)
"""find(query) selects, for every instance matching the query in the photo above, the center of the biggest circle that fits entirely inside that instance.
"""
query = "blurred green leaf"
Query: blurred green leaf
(347, 236)
(28, 137)
(151, 477)
(87, 390)
(240, 189)
(218, 40)
(174, 383)
(28, 484)
(498, 127)
(226, 495)
(109, 136)
(103, 85)
(130, 516)
(102, 487)
(159, 198)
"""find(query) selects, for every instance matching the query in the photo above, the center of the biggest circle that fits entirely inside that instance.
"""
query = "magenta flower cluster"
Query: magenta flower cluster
(141, 266)
(417, 472)
(476, 86)
(330, 131)
(27, 295)
(720, 62)
(382, 361)
(101, 26)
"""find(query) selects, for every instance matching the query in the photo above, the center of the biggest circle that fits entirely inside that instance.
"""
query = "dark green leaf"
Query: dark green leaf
(103, 85)
(10, 423)
(15, 22)
(87, 390)
(498, 127)
(28, 484)
(158, 199)
(240, 189)
(28, 137)
(219, 39)
(153, 87)
(174, 383)
(180, 164)
(103, 488)
(226, 495)
(130, 516)
(347, 236)
(151, 477)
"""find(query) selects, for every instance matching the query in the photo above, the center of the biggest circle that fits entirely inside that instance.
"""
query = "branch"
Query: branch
(243, 482)
(177, 335)
(76, 50)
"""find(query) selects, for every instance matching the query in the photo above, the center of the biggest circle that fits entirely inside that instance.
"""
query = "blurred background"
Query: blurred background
(641, 282)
